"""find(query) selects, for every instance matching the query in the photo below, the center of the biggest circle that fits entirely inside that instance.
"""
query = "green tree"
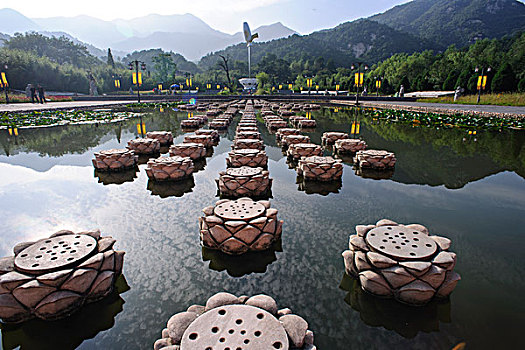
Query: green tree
(165, 67)
(263, 79)
(111, 62)
(504, 80)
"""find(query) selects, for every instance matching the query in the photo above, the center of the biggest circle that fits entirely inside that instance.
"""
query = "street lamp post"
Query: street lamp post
(138, 77)
(482, 80)
(359, 79)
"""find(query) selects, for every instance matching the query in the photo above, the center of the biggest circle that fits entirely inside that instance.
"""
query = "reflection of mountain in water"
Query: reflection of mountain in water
(82, 325)
(405, 320)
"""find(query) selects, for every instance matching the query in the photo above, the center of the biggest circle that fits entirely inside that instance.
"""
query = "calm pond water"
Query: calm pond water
(470, 189)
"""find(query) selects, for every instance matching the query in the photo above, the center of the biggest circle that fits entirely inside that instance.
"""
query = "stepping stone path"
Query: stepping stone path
(115, 160)
(349, 146)
(192, 150)
(247, 157)
(53, 277)
(170, 168)
(329, 138)
(320, 168)
(299, 150)
(285, 132)
(165, 137)
(231, 322)
(403, 262)
(375, 159)
(244, 181)
(144, 146)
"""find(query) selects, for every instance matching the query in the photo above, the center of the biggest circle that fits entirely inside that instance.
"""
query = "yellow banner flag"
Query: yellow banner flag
(140, 78)
(480, 81)
(134, 77)
(484, 81)
(4, 79)
(352, 131)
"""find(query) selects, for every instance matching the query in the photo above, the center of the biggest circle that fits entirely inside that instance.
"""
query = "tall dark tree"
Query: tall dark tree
(504, 80)
(111, 61)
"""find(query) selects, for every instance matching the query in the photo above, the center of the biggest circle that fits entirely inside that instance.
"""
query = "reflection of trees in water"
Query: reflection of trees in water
(77, 139)
(116, 178)
(245, 264)
(405, 320)
(318, 187)
(165, 189)
(70, 332)
(435, 156)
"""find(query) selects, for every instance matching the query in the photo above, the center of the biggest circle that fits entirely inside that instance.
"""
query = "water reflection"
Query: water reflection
(405, 320)
(319, 187)
(165, 189)
(238, 266)
(70, 332)
(374, 174)
(116, 178)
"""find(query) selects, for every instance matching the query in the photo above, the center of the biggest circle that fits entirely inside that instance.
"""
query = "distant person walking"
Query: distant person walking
(402, 91)
(41, 94)
(457, 94)
(32, 91)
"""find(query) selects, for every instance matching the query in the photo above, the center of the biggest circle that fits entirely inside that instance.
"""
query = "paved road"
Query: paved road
(474, 108)
(26, 107)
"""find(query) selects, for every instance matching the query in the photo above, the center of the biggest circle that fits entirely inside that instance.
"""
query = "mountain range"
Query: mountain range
(184, 34)
(414, 26)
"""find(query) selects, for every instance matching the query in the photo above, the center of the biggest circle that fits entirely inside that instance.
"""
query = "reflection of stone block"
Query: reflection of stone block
(402, 262)
(53, 277)
(236, 227)
(165, 189)
(115, 160)
(257, 319)
(318, 187)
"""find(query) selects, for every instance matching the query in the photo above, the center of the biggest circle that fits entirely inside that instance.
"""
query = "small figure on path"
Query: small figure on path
(402, 91)
(365, 92)
(32, 91)
(41, 94)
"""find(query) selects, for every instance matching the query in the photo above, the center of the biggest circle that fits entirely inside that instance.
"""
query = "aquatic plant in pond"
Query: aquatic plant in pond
(49, 118)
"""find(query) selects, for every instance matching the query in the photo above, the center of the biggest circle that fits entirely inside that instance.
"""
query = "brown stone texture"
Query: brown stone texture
(228, 321)
(318, 168)
(253, 228)
(349, 146)
(329, 138)
(378, 256)
(286, 132)
(115, 160)
(144, 146)
(244, 181)
(250, 158)
(165, 137)
(294, 139)
(375, 159)
(57, 291)
(170, 168)
(192, 150)
(300, 150)
(247, 143)
(206, 140)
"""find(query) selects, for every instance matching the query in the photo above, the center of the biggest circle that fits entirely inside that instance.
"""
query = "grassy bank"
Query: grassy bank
(18, 98)
(507, 99)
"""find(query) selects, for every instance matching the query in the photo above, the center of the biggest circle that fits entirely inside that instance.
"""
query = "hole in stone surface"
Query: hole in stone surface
(382, 247)
(63, 252)
(257, 333)
(77, 236)
(372, 234)
(243, 332)
(216, 329)
(277, 345)
(246, 341)
(222, 312)
(61, 242)
(48, 241)
(231, 331)
(239, 321)
(416, 233)
(73, 251)
(193, 336)
(55, 247)
(384, 240)
(54, 258)
(222, 340)
(76, 243)
(43, 248)
(35, 265)
(89, 245)
(69, 259)
(49, 251)
(23, 255)
(403, 243)
(398, 247)
(428, 245)
(260, 316)
(412, 254)
(414, 246)
(389, 228)
(38, 256)
(386, 233)
(416, 239)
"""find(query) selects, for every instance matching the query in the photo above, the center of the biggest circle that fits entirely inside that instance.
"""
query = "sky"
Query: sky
(303, 16)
